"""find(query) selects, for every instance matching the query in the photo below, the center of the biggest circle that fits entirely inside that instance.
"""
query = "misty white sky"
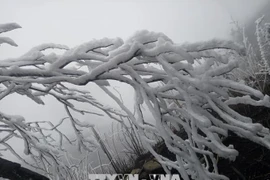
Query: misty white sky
(74, 22)
(77, 21)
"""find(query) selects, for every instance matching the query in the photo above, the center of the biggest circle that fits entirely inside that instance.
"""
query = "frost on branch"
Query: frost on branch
(5, 28)
(254, 64)
(263, 38)
(193, 95)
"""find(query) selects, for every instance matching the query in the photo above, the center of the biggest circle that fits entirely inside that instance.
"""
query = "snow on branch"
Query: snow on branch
(193, 95)
(6, 28)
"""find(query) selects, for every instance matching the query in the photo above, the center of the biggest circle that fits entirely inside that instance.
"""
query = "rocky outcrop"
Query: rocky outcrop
(15, 171)
(147, 164)
(253, 162)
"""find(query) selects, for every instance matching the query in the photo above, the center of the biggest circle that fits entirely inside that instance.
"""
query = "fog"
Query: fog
(74, 22)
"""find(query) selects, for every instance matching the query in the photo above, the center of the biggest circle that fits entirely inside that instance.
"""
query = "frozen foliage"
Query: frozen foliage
(254, 68)
(263, 38)
(193, 95)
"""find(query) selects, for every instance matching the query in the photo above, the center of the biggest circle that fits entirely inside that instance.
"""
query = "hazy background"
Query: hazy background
(75, 22)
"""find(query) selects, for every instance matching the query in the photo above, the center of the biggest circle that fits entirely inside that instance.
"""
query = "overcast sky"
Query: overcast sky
(74, 22)
(78, 21)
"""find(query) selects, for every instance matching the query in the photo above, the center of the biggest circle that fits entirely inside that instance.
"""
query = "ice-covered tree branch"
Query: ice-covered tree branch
(193, 95)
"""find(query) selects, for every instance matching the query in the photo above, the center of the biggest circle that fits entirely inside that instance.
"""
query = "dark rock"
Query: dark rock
(14, 171)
